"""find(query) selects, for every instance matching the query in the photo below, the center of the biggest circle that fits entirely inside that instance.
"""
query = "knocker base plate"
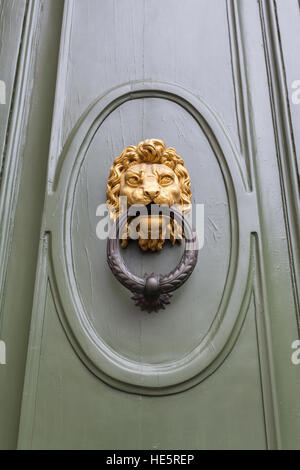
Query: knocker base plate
(152, 299)
(150, 304)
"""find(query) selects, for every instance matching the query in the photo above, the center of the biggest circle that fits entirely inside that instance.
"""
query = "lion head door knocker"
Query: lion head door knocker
(148, 196)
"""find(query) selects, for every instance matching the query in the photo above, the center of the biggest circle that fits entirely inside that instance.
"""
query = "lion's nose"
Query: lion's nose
(152, 193)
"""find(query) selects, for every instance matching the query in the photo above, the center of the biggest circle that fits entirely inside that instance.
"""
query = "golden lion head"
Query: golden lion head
(145, 174)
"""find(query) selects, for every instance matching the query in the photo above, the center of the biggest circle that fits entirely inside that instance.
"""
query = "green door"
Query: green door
(218, 368)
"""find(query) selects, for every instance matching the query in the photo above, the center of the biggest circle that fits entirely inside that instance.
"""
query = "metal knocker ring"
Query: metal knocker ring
(153, 291)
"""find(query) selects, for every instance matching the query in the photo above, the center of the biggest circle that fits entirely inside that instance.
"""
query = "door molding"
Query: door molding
(105, 362)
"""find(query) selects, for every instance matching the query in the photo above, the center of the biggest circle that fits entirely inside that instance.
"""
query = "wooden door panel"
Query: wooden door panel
(210, 370)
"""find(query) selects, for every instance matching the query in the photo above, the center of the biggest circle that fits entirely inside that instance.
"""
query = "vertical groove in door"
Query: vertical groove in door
(266, 367)
(27, 415)
(283, 133)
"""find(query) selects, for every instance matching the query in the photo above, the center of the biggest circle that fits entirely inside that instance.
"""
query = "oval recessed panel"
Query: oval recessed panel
(168, 351)
(169, 334)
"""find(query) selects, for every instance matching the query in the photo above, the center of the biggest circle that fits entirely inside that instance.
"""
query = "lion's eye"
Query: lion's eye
(166, 179)
(133, 180)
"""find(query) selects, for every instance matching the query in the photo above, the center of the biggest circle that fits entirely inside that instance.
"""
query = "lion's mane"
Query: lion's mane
(147, 151)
